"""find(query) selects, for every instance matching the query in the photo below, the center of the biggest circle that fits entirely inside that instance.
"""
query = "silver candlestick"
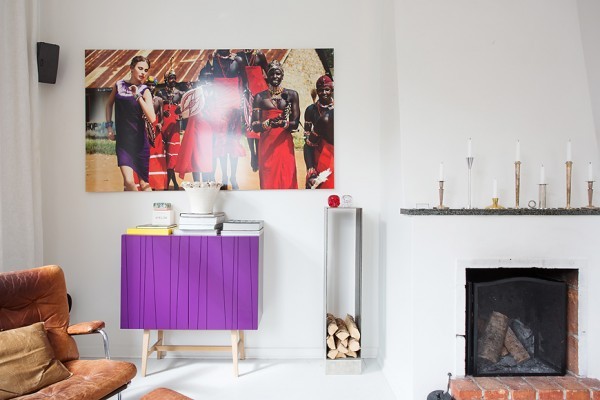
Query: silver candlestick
(542, 195)
(469, 165)
(517, 182)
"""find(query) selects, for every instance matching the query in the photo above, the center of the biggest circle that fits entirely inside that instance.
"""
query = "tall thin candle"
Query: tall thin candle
(569, 155)
(542, 175)
(495, 189)
(469, 148)
(441, 171)
(590, 172)
(518, 155)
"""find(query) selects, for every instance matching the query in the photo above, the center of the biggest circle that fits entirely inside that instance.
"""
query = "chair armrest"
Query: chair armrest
(85, 328)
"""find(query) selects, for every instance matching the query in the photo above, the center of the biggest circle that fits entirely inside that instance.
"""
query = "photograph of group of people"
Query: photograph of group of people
(248, 118)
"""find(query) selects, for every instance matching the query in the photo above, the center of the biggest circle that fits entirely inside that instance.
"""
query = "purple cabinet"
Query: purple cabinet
(191, 282)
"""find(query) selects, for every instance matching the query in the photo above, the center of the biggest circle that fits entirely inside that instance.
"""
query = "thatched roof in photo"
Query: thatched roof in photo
(104, 67)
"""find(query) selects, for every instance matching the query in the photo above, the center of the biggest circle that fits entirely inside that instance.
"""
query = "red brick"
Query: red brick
(593, 385)
(573, 354)
(572, 307)
(518, 388)
(547, 389)
(493, 389)
(574, 390)
(465, 389)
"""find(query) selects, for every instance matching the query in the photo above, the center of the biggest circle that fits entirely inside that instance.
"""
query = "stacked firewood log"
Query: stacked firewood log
(343, 337)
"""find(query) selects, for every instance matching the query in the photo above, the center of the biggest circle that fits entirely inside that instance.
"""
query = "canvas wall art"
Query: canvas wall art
(251, 119)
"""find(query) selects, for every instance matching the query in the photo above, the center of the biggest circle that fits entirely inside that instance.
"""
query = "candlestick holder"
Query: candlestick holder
(441, 206)
(590, 194)
(569, 165)
(469, 166)
(517, 182)
(542, 195)
(495, 205)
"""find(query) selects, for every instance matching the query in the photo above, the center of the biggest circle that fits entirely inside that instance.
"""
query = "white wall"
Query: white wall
(497, 72)
(82, 230)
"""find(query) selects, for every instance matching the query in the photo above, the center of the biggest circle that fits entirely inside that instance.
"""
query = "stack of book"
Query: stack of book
(200, 224)
(242, 227)
(150, 229)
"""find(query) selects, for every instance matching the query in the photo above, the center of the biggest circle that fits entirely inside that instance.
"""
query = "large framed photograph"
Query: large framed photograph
(251, 119)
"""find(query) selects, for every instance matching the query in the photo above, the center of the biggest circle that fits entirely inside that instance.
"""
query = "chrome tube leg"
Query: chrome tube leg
(105, 341)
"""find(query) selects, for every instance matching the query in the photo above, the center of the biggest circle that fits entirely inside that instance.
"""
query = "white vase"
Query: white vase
(202, 199)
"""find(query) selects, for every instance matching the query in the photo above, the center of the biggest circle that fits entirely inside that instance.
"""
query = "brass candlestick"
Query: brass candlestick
(517, 182)
(569, 165)
(441, 191)
(542, 195)
(590, 194)
(495, 205)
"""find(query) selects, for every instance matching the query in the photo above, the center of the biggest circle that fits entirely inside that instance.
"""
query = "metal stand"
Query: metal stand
(542, 196)
(517, 182)
(590, 185)
(344, 366)
(569, 165)
(469, 165)
(441, 206)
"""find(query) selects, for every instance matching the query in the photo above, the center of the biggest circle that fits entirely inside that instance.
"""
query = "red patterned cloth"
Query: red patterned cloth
(196, 152)
(157, 176)
(171, 136)
(324, 158)
(277, 163)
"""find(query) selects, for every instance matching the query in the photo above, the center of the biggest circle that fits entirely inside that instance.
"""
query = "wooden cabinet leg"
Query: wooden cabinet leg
(242, 346)
(160, 354)
(145, 344)
(235, 338)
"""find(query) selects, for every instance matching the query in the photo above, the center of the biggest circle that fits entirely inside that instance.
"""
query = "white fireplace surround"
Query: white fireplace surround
(464, 264)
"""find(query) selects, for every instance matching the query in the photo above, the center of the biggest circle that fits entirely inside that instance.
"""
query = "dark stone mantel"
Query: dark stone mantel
(503, 211)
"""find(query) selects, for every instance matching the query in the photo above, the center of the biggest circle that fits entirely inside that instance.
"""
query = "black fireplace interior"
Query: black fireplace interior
(516, 322)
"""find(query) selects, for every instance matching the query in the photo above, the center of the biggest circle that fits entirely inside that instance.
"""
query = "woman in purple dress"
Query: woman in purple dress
(133, 104)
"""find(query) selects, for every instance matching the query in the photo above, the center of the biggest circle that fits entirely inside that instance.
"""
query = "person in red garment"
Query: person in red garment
(171, 127)
(196, 152)
(158, 162)
(275, 115)
(318, 135)
(251, 67)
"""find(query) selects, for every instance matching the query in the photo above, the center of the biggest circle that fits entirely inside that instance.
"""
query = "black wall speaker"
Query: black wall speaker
(47, 59)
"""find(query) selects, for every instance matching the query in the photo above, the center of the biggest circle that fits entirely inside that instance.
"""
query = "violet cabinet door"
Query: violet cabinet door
(191, 282)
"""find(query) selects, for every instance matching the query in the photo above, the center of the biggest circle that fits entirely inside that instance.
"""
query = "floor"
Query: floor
(259, 379)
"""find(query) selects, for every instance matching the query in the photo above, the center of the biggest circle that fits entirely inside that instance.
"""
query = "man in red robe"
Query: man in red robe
(275, 115)
(318, 135)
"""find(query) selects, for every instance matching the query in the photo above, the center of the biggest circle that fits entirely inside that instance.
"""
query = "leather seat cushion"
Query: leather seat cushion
(92, 379)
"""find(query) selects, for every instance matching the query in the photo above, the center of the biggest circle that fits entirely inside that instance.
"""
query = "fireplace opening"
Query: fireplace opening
(517, 321)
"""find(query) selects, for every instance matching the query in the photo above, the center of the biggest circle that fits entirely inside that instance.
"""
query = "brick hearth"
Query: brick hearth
(525, 388)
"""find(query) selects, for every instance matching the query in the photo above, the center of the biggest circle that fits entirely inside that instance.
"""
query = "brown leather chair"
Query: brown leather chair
(40, 295)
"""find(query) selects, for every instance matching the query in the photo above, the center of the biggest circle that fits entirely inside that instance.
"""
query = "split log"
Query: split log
(504, 351)
(332, 354)
(353, 345)
(342, 332)
(515, 347)
(340, 355)
(352, 328)
(331, 342)
(344, 342)
(492, 341)
(342, 349)
(331, 324)
(352, 354)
